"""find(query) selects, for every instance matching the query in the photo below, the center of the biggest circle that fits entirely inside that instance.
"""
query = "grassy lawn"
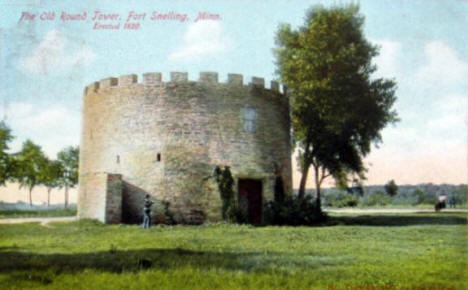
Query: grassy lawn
(410, 251)
(401, 206)
(37, 213)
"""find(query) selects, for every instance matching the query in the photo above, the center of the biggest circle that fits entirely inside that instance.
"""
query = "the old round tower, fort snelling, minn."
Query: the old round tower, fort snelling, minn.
(166, 138)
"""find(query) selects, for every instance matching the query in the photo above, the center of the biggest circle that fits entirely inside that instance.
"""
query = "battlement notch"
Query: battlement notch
(108, 82)
(208, 77)
(154, 78)
(179, 77)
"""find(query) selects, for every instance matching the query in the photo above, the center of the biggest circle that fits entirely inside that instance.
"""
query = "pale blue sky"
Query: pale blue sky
(44, 66)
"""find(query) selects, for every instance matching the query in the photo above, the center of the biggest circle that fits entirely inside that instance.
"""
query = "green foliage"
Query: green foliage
(51, 176)
(5, 159)
(235, 214)
(337, 108)
(376, 199)
(294, 211)
(391, 188)
(226, 189)
(424, 198)
(340, 199)
(422, 195)
(168, 215)
(69, 159)
(460, 195)
(52, 173)
(28, 166)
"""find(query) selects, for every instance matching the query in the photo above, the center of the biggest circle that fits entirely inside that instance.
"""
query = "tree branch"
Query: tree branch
(323, 175)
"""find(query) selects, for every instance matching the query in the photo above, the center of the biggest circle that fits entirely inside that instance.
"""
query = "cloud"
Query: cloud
(52, 128)
(53, 55)
(19, 109)
(452, 107)
(451, 110)
(203, 38)
(388, 60)
(443, 67)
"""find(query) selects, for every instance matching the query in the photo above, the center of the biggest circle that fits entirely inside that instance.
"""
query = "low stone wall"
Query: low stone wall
(101, 197)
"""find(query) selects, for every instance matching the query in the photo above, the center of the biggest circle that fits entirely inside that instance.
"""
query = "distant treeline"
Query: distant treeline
(22, 206)
(402, 195)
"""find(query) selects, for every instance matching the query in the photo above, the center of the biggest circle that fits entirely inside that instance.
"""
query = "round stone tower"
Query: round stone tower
(165, 139)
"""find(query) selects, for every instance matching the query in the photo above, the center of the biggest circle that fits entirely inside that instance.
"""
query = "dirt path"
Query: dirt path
(390, 210)
(42, 220)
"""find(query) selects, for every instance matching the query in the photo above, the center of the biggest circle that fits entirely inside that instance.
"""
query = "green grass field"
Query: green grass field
(411, 251)
(37, 213)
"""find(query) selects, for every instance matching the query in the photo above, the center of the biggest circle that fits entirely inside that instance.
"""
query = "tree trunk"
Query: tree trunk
(66, 196)
(48, 196)
(318, 183)
(305, 172)
(30, 196)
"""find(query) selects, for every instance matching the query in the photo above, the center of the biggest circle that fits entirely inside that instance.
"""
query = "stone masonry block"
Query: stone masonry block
(179, 77)
(235, 79)
(152, 78)
(209, 77)
(260, 82)
(274, 86)
(109, 82)
(128, 80)
(92, 88)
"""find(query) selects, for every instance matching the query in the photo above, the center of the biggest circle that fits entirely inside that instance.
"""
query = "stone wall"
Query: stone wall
(165, 139)
(101, 197)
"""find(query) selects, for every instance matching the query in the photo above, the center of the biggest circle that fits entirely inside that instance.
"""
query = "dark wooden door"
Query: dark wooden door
(250, 199)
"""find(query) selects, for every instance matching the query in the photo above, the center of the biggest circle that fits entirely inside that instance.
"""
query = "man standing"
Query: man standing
(147, 212)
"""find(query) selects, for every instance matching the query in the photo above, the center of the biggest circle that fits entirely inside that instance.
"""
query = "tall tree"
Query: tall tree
(391, 188)
(29, 166)
(51, 176)
(69, 159)
(337, 108)
(5, 158)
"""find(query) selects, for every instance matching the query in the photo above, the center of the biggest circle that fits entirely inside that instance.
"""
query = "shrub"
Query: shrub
(294, 211)
(340, 199)
(377, 198)
(235, 214)
(163, 214)
(424, 197)
(404, 199)
(225, 186)
(350, 201)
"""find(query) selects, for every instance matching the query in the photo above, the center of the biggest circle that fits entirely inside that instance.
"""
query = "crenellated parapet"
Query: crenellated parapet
(156, 79)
